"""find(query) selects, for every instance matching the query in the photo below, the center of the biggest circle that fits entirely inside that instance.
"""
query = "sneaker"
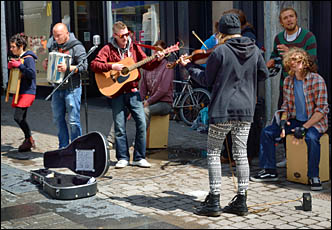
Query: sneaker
(121, 164)
(264, 175)
(142, 163)
(282, 164)
(315, 183)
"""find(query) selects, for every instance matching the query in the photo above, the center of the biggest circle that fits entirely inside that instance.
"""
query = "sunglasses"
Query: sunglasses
(122, 35)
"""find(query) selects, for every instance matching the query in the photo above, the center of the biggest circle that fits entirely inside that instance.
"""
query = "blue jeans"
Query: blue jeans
(159, 108)
(267, 156)
(67, 100)
(133, 102)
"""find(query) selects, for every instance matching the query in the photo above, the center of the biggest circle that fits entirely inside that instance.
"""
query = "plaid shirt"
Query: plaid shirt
(315, 94)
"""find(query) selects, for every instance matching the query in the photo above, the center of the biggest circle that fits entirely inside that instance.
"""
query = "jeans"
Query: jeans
(267, 156)
(67, 100)
(133, 102)
(159, 108)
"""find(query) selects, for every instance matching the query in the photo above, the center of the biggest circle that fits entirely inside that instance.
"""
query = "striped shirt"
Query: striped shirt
(315, 93)
(305, 40)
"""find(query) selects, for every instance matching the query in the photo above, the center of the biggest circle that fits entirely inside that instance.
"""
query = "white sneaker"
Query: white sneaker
(142, 163)
(121, 164)
(282, 164)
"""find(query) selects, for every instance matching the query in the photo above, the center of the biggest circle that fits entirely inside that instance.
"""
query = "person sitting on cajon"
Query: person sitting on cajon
(303, 112)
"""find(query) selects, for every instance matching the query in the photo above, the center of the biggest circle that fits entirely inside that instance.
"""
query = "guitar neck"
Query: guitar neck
(140, 63)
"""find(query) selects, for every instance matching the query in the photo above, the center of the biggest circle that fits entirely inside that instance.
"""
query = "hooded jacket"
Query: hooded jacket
(77, 53)
(28, 70)
(232, 71)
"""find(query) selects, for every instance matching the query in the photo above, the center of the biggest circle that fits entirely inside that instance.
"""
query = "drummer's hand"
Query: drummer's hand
(183, 60)
(45, 63)
(62, 67)
(117, 67)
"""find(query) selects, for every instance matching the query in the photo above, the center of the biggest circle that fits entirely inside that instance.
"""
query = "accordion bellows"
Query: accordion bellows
(55, 58)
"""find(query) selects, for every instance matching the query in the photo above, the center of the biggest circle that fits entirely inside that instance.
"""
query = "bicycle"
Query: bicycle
(189, 101)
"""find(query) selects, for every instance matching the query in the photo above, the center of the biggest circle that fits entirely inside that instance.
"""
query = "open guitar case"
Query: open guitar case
(87, 156)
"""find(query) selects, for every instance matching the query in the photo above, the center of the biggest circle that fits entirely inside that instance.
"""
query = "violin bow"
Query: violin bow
(193, 32)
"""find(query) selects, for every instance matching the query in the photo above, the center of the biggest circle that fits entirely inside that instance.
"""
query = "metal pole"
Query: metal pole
(86, 110)
(85, 82)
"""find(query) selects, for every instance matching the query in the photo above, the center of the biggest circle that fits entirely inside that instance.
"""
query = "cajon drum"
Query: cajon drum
(297, 160)
(157, 133)
(14, 83)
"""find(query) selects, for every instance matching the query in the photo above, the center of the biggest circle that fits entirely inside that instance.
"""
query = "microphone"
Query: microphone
(96, 40)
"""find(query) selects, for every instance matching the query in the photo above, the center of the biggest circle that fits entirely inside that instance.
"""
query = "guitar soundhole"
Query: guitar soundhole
(125, 71)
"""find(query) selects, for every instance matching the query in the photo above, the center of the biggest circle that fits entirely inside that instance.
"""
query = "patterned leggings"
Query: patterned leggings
(217, 134)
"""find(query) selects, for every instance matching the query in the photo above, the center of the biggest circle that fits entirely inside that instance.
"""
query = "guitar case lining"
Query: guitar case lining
(87, 156)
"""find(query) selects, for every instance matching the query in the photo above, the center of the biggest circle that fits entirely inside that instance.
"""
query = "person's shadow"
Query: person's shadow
(171, 202)
(13, 153)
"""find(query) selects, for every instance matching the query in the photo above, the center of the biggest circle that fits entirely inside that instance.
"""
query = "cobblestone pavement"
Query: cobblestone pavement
(163, 196)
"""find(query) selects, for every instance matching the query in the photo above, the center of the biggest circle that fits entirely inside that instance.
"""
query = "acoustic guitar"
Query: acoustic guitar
(111, 82)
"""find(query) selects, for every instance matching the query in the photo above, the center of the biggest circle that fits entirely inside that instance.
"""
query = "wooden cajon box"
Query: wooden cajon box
(297, 160)
(14, 83)
(157, 133)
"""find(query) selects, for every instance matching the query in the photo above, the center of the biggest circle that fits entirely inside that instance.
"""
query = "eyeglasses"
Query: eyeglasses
(122, 35)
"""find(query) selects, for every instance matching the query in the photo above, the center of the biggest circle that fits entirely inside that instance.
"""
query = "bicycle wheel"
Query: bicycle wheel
(192, 104)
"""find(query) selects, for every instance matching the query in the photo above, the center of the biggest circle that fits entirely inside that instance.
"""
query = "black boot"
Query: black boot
(238, 205)
(210, 207)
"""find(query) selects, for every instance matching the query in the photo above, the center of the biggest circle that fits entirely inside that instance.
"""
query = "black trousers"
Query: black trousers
(20, 118)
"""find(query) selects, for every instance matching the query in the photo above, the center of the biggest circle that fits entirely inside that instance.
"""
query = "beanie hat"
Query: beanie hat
(230, 24)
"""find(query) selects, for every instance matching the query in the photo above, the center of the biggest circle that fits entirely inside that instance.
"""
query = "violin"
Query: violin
(200, 56)
(197, 56)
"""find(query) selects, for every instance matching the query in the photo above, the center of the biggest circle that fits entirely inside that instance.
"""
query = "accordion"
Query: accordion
(55, 58)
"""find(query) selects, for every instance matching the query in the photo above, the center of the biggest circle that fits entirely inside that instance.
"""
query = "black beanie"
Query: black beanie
(230, 24)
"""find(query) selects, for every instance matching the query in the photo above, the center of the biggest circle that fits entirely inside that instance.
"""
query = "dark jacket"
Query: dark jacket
(28, 70)
(250, 32)
(78, 53)
(232, 71)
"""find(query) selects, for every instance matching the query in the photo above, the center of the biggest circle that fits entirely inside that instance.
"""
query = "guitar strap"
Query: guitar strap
(147, 46)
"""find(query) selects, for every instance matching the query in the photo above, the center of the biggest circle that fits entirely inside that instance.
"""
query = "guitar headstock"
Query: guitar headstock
(172, 48)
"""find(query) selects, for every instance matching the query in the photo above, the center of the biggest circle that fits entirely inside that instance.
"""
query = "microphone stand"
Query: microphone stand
(72, 72)
(85, 82)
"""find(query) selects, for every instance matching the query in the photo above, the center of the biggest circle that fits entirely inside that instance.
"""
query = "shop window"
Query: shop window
(37, 18)
(141, 17)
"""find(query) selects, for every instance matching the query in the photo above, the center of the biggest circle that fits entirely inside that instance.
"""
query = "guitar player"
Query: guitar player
(120, 47)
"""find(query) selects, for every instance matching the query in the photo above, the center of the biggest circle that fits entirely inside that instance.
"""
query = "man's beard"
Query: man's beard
(292, 29)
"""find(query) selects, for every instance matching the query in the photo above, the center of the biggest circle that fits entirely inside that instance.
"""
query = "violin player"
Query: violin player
(232, 70)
